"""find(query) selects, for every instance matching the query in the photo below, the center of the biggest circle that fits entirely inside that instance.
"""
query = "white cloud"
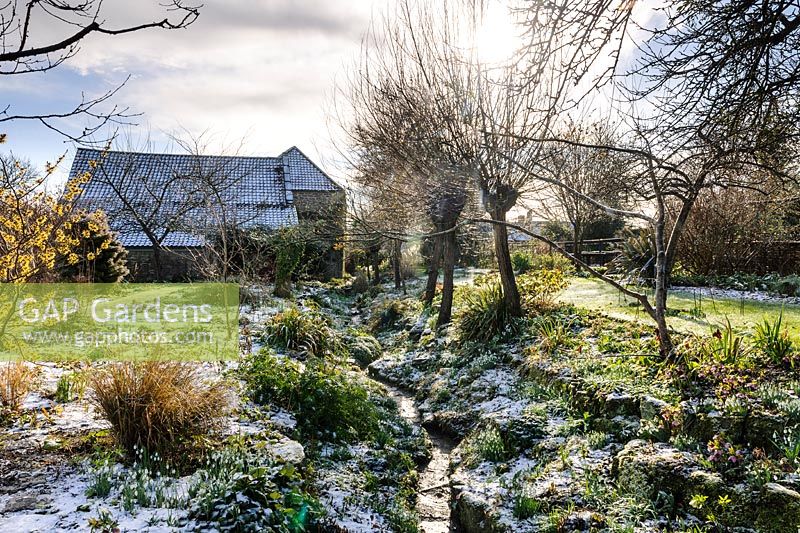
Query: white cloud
(261, 68)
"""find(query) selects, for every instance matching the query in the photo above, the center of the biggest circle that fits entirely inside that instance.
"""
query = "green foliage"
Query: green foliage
(539, 288)
(786, 286)
(305, 332)
(521, 261)
(484, 313)
(773, 340)
(363, 348)
(104, 522)
(724, 346)
(100, 483)
(485, 444)
(788, 443)
(71, 386)
(741, 281)
(324, 399)
(289, 245)
(526, 506)
(637, 258)
(524, 262)
(390, 314)
(554, 332)
(246, 489)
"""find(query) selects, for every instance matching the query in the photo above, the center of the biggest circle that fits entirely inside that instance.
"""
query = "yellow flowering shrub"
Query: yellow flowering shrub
(35, 226)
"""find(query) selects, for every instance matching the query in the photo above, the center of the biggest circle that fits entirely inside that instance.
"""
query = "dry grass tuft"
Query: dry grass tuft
(16, 381)
(159, 405)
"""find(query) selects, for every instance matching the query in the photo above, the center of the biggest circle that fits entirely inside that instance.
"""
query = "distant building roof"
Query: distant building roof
(257, 191)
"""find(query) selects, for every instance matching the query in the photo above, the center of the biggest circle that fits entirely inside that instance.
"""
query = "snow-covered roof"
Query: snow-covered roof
(256, 191)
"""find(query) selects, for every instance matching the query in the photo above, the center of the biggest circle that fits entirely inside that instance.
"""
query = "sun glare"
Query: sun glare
(498, 35)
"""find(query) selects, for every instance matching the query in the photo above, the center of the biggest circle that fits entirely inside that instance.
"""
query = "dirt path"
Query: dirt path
(433, 501)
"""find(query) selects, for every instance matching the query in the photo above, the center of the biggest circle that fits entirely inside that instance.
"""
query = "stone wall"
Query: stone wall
(177, 264)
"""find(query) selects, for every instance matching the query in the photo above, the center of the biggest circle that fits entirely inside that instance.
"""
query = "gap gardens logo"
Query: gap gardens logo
(196, 321)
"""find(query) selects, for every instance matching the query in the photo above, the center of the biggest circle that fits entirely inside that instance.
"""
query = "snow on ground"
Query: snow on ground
(735, 294)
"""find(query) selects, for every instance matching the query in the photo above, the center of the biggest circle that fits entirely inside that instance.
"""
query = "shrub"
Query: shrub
(521, 261)
(525, 262)
(158, 405)
(307, 333)
(101, 257)
(16, 381)
(484, 313)
(245, 489)
(637, 258)
(786, 286)
(539, 288)
(324, 399)
(552, 262)
(363, 348)
(773, 340)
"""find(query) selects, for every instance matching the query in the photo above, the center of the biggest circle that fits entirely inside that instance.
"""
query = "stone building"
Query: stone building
(180, 200)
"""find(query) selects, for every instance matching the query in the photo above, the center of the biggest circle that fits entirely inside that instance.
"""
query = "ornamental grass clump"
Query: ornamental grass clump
(772, 338)
(16, 381)
(161, 406)
(306, 332)
(484, 314)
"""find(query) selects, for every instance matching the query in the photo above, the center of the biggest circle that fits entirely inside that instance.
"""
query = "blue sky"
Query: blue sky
(255, 73)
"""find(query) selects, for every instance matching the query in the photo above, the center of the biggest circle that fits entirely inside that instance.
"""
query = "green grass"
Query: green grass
(743, 315)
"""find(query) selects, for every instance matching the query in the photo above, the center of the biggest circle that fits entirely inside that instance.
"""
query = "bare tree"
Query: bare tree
(394, 124)
(40, 35)
(718, 117)
(167, 199)
(593, 173)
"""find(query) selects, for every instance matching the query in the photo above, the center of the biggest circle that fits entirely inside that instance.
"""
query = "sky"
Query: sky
(254, 76)
(255, 73)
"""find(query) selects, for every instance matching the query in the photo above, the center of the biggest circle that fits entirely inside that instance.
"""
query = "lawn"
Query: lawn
(743, 314)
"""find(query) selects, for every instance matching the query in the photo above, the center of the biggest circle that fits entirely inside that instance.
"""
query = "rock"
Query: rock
(582, 521)
(619, 403)
(473, 513)
(364, 349)
(650, 408)
(778, 509)
(27, 502)
(524, 431)
(423, 360)
(622, 427)
(650, 468)
(289, 450)
(84, 508)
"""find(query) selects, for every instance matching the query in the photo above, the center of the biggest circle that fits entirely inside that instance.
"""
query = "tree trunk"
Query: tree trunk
(157, 261)
(660, 297)
(503, 254)
(283, 287)
(396, 256)
(449, 259)
(433, 269)
(376, 268)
